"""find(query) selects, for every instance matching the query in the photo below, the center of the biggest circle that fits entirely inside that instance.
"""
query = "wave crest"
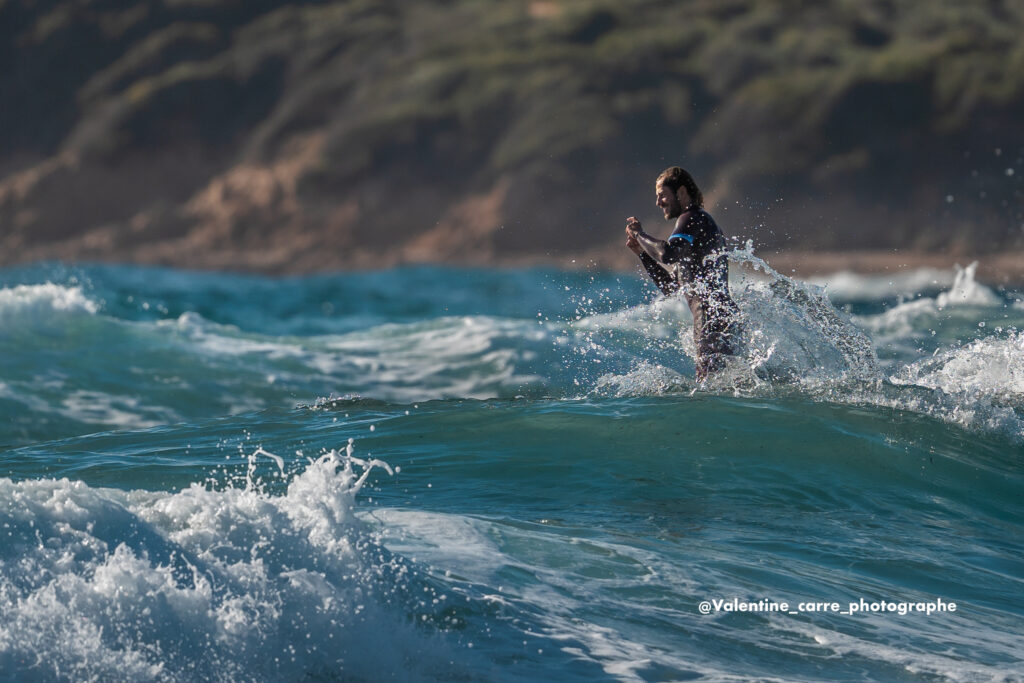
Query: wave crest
(39, 302)
(213, 584)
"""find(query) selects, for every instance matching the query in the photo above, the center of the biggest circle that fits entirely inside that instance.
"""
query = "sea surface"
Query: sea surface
(435, 473)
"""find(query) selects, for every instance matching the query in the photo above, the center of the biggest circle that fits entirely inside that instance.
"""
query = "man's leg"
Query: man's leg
(713, 342)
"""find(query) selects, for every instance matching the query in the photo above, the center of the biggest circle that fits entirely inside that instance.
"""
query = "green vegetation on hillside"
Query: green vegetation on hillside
(468, 127)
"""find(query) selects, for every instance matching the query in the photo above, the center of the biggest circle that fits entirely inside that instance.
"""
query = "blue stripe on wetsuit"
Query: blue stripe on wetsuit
(688, 238)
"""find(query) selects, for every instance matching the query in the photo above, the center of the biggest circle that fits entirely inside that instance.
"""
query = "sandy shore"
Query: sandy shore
(1003, 268)
(1006, 268)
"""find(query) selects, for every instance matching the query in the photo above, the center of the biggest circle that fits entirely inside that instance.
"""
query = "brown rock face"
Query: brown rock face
(465, 232)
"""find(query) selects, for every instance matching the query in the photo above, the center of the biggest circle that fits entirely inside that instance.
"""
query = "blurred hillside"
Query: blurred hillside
(288, 137)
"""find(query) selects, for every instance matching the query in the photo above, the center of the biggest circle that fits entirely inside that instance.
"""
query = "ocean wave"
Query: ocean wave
(229, 584)
(123, 374)
(450, 357)
(992, 367)
(565, 526)
(978, 386)
(797, 344)
(529, 539)
(571, 579)
(918, 317)
(29, 304)
(126, 411)
(789, 333)
(847, 286)
(108, 372)
(646, 379)
(471, 555)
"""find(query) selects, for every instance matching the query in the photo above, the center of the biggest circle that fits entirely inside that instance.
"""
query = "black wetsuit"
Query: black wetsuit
(693, 260)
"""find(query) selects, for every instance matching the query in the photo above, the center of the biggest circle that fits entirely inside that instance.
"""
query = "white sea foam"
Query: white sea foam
(640, 350)
(127, 412)
(464, 357)
(847, 286)
(28, 303)
(977, 386)
(967, 291)
(797, 343)
(793, 333)
(949, 663)
(789, 333)
(190, 367)
(666, 318)
(228, 584)
(992, 367)
(471, 356)
(50, 397)
(916, 317)
(647, 379)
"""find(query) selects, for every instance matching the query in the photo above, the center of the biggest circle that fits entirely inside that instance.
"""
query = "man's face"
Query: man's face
(668, 202)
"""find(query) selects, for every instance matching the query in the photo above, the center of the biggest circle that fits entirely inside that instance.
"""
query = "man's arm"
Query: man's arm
(662, 278)
(666, 283)
(673, 251)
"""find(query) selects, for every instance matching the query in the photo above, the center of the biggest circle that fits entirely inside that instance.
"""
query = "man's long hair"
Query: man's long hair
(675, 177)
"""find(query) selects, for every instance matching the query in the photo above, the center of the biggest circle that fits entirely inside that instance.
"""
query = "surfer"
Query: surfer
(693, 261)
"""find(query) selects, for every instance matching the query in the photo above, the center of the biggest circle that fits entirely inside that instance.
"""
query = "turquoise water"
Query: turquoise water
(450, 474)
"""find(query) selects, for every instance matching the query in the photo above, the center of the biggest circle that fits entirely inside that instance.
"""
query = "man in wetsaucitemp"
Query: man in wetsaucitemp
(692, 260)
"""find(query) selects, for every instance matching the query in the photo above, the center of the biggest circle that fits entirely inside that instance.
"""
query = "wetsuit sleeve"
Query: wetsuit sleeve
(677, 248)
(665, 282)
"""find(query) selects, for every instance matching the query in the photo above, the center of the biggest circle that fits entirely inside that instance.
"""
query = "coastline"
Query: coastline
(1000, 269)
(1004, 269)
